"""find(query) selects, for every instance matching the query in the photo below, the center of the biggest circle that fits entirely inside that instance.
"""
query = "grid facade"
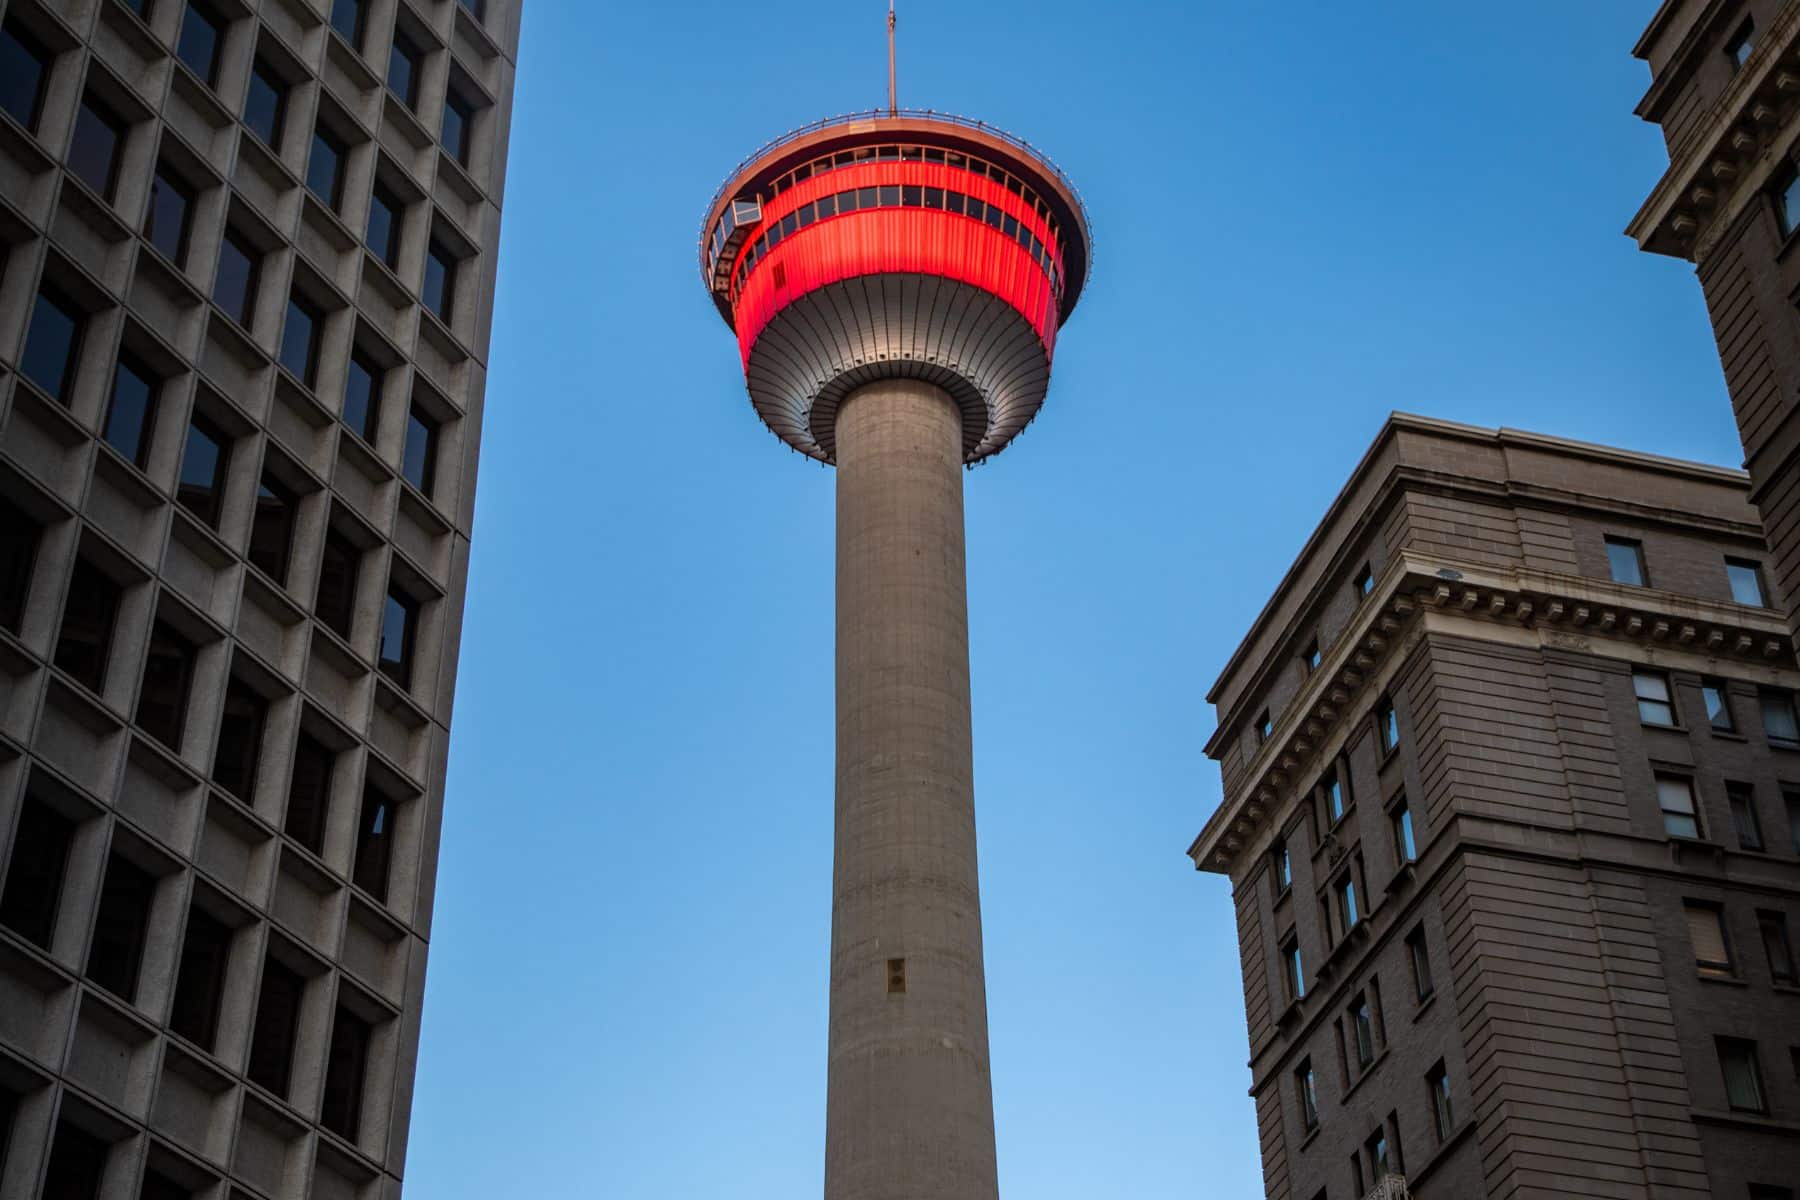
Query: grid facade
(247, 260)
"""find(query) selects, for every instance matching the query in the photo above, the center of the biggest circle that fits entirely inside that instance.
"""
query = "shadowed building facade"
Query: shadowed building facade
(247, 256)
(895, 281)
(1511, 814)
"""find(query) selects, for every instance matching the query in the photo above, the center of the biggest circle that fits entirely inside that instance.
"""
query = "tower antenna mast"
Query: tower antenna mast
(893, 93)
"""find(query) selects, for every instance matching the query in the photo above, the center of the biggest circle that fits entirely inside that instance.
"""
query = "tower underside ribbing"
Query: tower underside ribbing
(909, 1106)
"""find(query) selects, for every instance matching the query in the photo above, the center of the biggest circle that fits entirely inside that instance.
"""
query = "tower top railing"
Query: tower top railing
(882, 114)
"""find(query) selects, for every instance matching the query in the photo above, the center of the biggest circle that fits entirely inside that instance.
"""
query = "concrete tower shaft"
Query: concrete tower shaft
(910, 1107)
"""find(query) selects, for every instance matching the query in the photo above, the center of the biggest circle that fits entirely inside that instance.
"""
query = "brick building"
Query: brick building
(247, 256)
(1512, 819)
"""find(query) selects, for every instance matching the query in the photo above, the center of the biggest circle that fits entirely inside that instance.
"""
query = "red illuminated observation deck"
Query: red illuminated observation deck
(887, 245)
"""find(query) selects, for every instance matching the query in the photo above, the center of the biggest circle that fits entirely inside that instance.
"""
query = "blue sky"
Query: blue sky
(1307, 215)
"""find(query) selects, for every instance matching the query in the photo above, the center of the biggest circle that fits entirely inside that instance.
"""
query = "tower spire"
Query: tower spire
(893, 92)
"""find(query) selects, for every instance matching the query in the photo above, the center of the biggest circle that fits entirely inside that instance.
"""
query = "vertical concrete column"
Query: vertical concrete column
(909, 1109)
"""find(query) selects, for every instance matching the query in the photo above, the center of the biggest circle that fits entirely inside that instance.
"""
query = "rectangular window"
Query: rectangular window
(309, 792)
(94, 148)
(336, 602)
(272, 528)
(1776, 947)
(1718, 705)
(1743, 1075)
(51, 343)
(239, 750)
(19, 533)
(1292, 976)
(1365, 582)
(403, 70)
(277, 1022)
(1420, 958)
(300, 340)
(1740, 44)
(1767, 1191)
(1625, 558)
(1779, 724)
(1653, 701)
(459, 118)
(162, 700)
(1793, 815)
(418, 458)
(1437, 1085)
(200, 978)
(1307, 1095)
(347, 18)
(34, 877)
(374, 844)
(1787, 202)
(1387, 726)
(1675, 795)
(1331, 792)
(439, 289)
(1281, 868)
(198, 46)
(166, 220)
(1746, 577)
(1706, 931)
(234, 285)
(1375, 1149)
(384, 226)
(84, 641)
(325, 167)
(345, 1070)
(265, 104)
(1343, 903)
(399, 628)
(24, 65)
(1309, 657)
(131, 408)
(362, 395)
(203, 463)
(1400, 821)
(1742, 798)
(1362, 1031)
(120, 926)
(1264, 727)
(77, 1161)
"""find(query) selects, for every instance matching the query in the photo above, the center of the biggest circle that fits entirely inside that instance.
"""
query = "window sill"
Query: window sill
(1727, 735)
(1743, 1120)
(1723, 980)
(1444, 1148)
(1424, 1007)
(1311, 1136)
(1403, 876)
(1786, 989)
(1783, 744)
(1374, 1064)
(1666, 728)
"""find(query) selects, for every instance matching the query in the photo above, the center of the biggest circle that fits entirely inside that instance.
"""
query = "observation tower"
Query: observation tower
(896, 280)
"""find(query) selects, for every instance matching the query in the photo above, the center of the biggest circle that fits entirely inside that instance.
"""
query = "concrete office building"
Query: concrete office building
(1511, 815)
(1725, 90)
(895, 281)
(249, 252)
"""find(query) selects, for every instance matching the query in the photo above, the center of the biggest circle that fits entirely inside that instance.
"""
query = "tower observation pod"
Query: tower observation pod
(896, 281)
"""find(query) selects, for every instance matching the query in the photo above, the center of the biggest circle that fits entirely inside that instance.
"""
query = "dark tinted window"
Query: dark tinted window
(34, 877)
(1625, 559)
(362, 395)
(94, 149)
(1746, 579)
(272, 528)
(265, 103)
(166, 223)
(140, 7)
(476, 7)
(198, 45)
(162, 701)
(203, 462)
(374, 844)
(158, 1186)
(337, 583)
(131, 408)
(118, 945)
(77, 1160)
(345, 1069)
(300, 340)
(50, 344)
(240, 740)
(200, 978)
(347, 19)
(458, 116)
(85, 638)
(440, 280)
(234, 288)
(309, 792)
(24, 63)
(325, 167)
(18, 553)
(418, 459)
(384, 225)
(277, 1017)
(399, 626)
(403, 69)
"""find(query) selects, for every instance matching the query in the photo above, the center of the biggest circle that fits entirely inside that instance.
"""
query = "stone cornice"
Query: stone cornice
(1712, 175)
(1571, 611)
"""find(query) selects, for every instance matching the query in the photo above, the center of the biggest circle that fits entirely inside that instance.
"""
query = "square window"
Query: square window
(1718, 705)
(1653, 701)
(325, 167)
(459, 120)
(24, 65)
(1400, 821)
(300, 339)
(131, 408)
(399, 630)
(1779, 724)
(1773, 928)
(1706, 931)
(439, 290)
(347, 17)
(265, 104)
(202, 32)
(163, 697)
(1675, 795)
(84, 640)
(166, 220)
(51, 344)
(1625, 558)
(418, 458)
(384, 226)
(203, 462)
(234, 286)
(476, 8)
(403, 70)
(94, 148)
(272, 527)
(34, 878)
(1746, 579)
(1743, 1075)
